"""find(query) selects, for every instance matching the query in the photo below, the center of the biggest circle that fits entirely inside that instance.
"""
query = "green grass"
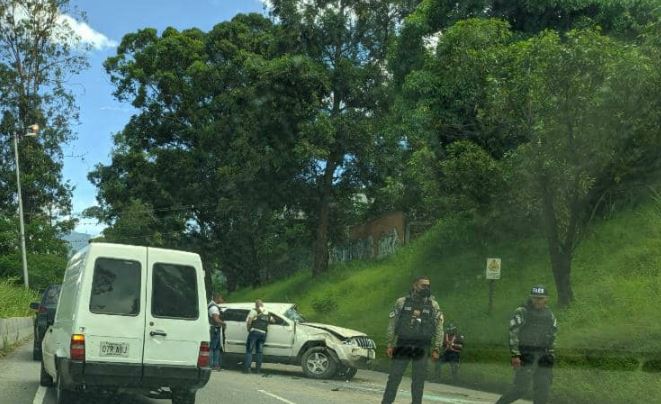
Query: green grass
(605, 336)
(14, 300)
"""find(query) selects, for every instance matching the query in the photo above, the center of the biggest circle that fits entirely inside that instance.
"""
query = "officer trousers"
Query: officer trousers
(417, 354)
(216, 347)
(255, 342)
(535, 367)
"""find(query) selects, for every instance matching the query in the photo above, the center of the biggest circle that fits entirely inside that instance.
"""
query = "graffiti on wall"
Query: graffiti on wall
(378, 238)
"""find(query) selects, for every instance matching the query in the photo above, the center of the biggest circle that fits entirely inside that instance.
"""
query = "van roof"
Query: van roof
(127, 247)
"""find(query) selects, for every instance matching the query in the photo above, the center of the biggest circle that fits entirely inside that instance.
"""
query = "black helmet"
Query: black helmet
(451, 327)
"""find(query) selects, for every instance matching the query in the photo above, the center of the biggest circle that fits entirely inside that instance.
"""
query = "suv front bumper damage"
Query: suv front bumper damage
(354, 356)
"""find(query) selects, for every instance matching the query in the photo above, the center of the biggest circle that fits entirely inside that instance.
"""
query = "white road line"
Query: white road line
(284, 400)
(39, 397)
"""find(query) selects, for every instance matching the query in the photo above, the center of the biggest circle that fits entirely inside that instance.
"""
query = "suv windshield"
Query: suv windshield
(294, 315)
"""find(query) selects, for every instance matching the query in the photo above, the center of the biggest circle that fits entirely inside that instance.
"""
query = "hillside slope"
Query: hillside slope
(609, 340)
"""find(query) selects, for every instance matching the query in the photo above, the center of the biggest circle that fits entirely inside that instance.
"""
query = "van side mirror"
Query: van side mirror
(34, 305)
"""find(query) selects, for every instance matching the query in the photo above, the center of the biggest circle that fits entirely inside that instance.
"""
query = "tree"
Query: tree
(211, 149)
(437, 106)
(585, 103)
(431, 18)
(348, 40)
(38, 53)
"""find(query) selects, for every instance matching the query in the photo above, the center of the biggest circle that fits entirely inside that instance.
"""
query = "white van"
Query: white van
(129, 317)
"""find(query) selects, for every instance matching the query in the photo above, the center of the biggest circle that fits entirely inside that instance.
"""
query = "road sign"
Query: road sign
(493, 268)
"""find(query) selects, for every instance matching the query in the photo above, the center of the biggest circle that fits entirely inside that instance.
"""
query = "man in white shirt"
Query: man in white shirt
(216, 330)
(257, 323)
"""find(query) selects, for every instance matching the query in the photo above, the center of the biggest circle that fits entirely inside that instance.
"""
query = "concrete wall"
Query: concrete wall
(15, 329)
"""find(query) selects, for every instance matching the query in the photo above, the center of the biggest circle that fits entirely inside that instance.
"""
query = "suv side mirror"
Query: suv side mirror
(34, 305)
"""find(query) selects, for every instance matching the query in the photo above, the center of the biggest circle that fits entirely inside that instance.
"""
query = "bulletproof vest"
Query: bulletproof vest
(261, 322)
(211, 318)
(537, 330)
(416, 320)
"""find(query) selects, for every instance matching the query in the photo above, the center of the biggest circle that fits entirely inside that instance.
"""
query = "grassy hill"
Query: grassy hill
(609, 341)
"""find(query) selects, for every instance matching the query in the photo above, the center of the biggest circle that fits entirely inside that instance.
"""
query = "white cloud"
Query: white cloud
(87, 34)
(116, 109)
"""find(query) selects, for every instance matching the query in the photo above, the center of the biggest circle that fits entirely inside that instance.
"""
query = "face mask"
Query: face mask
(424, 291)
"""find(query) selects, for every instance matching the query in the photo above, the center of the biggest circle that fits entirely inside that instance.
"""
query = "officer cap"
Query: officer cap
(539, 291)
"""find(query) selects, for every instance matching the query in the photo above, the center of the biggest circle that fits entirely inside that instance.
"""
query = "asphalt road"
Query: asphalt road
(19, 383)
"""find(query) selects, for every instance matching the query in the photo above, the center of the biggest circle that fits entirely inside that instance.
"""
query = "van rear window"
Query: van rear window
(174, 292)
(116, 287)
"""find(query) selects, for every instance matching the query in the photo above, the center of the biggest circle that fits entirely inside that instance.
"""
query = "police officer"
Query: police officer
(453, 344)
(216, 326)
(257, 323)
(533, 328)
(415, 329)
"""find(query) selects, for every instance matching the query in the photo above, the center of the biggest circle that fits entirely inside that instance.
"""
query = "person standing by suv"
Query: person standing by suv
(415, 328)
(258, 324)
(216, 325)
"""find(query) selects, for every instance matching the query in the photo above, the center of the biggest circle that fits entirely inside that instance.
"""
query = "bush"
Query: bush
(43, 270)
(14, 300)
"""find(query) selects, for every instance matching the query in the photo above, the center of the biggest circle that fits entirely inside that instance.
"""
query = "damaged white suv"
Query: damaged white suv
(323, 351)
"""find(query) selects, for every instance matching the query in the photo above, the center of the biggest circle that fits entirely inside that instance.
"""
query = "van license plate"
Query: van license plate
(115, 349)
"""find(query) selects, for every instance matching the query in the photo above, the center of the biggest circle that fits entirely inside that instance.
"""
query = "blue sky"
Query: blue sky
(100, 114)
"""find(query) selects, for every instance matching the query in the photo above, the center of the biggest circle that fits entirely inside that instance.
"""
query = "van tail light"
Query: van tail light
(43, 309)
(78, 347)
(203, 357)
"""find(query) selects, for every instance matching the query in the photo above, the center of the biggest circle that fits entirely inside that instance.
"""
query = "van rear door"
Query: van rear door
(176, 320)
(115, 319)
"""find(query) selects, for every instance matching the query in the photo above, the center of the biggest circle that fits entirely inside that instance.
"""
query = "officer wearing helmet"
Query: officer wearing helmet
(415, 329)
(532, 330)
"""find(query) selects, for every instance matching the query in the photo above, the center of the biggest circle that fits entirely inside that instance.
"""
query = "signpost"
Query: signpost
(493, 273)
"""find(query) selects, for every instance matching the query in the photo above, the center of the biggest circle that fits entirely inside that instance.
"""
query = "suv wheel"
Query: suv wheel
(346, 373)
(318, 363)
(183, 396)
(44, 378)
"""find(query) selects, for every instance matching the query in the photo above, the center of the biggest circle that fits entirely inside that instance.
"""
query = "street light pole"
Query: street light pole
(20, 215)
(34, 129)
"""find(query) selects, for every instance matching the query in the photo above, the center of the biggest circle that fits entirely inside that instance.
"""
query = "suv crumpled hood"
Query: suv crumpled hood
(337, 331)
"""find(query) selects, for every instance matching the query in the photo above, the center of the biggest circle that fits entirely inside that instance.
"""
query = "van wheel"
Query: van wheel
(183, 396)
(317, 363)
(44, 378)
(64, 395)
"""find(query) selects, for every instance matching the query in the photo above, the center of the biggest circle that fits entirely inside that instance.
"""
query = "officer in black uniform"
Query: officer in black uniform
(533, 328)
(415, 329)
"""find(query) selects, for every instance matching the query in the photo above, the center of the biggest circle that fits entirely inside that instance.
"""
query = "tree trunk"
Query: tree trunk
(561, 267)
(320, 264)
(561, 256)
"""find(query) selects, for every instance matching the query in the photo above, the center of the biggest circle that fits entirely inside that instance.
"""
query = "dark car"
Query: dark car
(45, 316)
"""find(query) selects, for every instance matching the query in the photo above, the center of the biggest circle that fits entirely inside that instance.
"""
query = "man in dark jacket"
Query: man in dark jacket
(415, 329)
(533, 328)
